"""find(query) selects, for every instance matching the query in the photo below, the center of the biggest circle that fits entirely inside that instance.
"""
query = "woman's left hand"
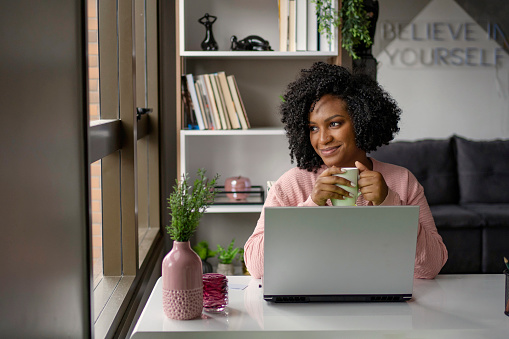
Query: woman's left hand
(371, 184)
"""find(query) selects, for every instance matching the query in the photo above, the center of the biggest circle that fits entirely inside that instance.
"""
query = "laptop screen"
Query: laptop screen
(339, 253)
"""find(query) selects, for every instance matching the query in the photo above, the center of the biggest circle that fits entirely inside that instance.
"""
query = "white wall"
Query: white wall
(464, 91)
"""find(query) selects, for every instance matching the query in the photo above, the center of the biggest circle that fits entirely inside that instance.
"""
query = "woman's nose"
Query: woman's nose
(325, 137)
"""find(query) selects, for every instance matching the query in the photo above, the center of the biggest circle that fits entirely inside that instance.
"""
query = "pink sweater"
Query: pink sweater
(294, 189)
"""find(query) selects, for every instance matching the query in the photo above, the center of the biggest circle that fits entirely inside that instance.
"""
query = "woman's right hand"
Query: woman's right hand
(326, 186)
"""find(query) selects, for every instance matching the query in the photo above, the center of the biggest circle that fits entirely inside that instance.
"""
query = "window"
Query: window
(147, 144)
(124, 148)
(94, 115)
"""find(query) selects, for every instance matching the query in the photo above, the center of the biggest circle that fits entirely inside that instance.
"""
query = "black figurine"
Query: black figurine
(250, 43)
(209, 44)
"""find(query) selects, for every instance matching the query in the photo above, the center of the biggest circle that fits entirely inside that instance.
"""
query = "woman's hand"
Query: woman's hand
(326, 186)
(372, 184)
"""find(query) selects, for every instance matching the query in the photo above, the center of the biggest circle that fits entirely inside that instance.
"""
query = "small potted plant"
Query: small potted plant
(204, 252)
(225, 257)
(182, 267)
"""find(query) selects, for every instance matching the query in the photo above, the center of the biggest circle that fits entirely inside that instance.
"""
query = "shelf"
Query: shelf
(222, 132)
(256, 54)
(234, 209)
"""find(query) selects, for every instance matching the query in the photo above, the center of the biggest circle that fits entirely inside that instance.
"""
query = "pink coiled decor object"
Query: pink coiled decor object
(215, 292)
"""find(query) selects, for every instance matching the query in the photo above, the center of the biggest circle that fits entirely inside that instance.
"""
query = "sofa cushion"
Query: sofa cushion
(494, 249)
(493, 215)
(461, 231)
(454, 216)
(431, 161)
(464, 247)
(483, 170)
(495, 235)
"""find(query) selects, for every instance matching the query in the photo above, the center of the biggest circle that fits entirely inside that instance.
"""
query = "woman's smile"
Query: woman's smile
(329, 151)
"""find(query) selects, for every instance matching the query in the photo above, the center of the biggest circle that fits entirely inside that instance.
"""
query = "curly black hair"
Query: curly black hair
(374, 113)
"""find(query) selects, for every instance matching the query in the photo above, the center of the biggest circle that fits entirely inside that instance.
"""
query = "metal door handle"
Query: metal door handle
(141, 111)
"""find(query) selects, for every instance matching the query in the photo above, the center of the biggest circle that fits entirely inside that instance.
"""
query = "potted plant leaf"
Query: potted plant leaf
(225, 257)
(182, 267)
(204, 252)
(356, 23)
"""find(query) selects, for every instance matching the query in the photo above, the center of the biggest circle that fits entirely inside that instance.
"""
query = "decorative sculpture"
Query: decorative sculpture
(250, 43)
(209, 43)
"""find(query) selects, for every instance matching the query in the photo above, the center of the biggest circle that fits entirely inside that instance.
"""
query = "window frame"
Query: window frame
(114, 139)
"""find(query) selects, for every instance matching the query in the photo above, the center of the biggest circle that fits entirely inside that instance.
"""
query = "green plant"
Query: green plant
(203, 250)
(226, 256)
(327, 17)
(241, 255)
(187, 205)
(352, 19)
(354, 26)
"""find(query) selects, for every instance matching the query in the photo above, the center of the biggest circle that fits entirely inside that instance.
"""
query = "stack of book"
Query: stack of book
(212, 101)
(298, 27)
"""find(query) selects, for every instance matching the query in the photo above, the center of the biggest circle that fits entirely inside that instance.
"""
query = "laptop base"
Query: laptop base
(337, 298)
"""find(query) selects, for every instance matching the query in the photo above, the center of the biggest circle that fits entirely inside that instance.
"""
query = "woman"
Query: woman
(332, 120)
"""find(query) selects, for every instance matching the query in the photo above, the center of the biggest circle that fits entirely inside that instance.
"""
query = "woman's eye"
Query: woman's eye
(312, 128)
(335, 124)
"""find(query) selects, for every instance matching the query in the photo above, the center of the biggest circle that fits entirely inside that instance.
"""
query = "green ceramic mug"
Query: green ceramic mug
(351, 174)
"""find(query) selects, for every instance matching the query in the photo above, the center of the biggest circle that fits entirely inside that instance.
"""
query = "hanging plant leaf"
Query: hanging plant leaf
(352, 19)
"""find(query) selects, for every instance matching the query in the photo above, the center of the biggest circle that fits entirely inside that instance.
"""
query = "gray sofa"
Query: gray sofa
(466, 184)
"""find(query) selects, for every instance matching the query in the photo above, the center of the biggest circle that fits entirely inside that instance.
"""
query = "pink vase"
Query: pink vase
(182, 282)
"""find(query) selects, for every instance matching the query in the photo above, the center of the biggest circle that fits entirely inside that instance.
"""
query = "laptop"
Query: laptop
(339, 253)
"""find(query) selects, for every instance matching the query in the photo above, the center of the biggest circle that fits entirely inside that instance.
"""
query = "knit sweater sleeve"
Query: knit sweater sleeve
(292, 189)
(431, 253)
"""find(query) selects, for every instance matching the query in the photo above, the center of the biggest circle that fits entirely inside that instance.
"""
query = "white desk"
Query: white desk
(451, 306)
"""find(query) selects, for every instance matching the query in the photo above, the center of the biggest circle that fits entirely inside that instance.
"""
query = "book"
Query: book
(219, 101)
(200, 82)
(202, 105)
(283, 25)
(213, 105)
(194, 100)
(188, 119)
(237, 100)
(312, 27)
(292, 13)
(323, 44)
(223, 101)
(301, 25)
(230, 106)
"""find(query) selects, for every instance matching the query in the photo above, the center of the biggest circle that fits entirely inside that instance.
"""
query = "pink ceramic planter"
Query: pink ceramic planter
(182, 283)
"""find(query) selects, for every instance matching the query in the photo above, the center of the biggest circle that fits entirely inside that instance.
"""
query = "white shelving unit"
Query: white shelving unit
(260, 153)
(252, 131)
(256, 54)
(235, 209)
